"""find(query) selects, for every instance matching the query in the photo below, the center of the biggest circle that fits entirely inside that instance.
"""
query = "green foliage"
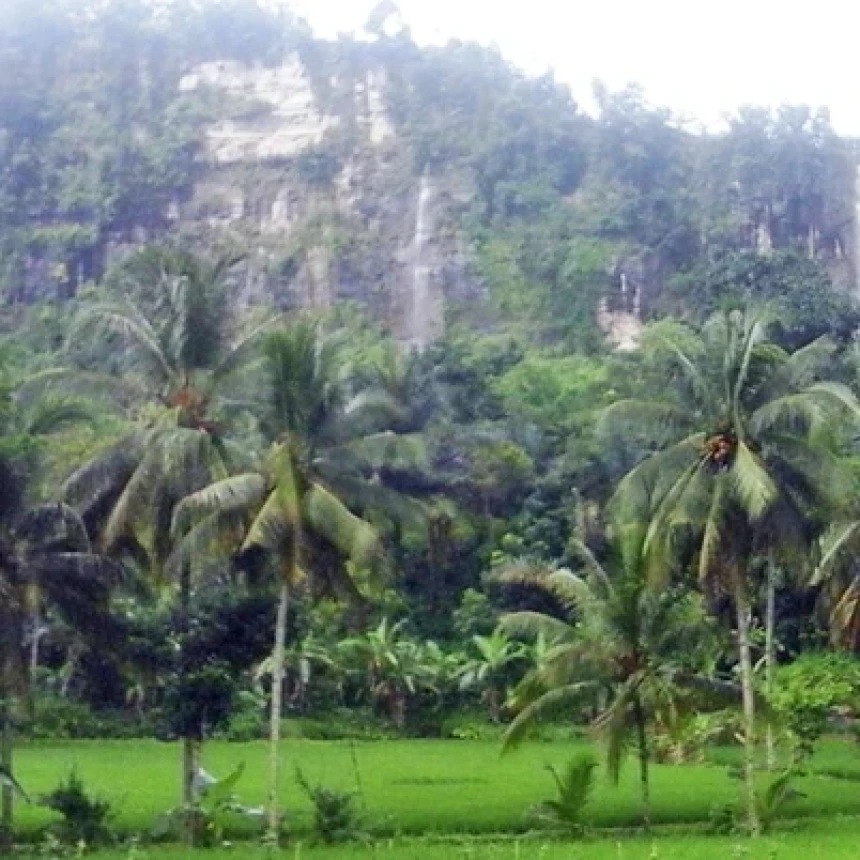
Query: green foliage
(339, 724)
(215, 807)
(778, 794)
(85, 818)
(801, 290)
(474, 616)
(247, 719)
(807, 691)
(559, 395)
(335, 816)
(54, 717)
(199, 701)
(574, 786)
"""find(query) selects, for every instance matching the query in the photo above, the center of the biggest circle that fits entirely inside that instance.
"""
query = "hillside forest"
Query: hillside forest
(522, 414)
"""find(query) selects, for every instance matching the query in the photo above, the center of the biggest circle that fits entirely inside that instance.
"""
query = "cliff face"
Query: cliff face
(420, 183)
(328, 205)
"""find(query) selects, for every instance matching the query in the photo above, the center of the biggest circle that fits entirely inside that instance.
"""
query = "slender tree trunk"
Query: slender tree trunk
(275, 722)
(189, 795)
(7, 800)
(770, 658)
(748, 697)
(35, 642)
(189, 751)
(642, 744)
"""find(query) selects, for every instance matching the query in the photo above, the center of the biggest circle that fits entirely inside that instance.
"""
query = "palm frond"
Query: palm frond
(644, 419)
(239, 494)
(806, 412)
(245, 351)
(562, 700)
(712, 532)
(596, 572)
(800, 369)
(753, 486)
(529, 624)
(328, 517)
(755, 329)
(845, 617)
(53, 412)
(127, 322)
(837, 541)
(54, 528)
(271, 529)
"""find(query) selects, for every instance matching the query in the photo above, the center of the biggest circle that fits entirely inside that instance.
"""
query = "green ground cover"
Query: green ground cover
(817, 840)
(411, 787)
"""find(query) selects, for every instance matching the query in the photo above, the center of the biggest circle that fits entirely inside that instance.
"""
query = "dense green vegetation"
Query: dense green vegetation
(419, 787)
(224, 517)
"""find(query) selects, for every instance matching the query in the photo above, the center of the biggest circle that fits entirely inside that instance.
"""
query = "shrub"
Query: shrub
(340, 724)
(85, 818)
(335, 816)
(247, 721)
(686, 738)
(469, 727)
(807, 690)
(58, 718)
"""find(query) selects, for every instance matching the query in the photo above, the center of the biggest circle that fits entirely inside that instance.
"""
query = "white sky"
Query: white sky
(700, 59)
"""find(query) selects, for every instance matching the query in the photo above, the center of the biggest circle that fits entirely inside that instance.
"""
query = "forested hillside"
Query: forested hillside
(357, 344)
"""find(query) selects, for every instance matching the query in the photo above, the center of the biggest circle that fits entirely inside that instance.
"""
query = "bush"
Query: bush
(469, 727)
(247, 721)
(807, 690)
(335, 816)
(85, 818)
(58, 718)
(338, 725)
(686, 739)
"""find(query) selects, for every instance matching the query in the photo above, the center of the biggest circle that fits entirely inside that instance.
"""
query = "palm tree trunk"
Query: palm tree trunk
(770, 658)
(275, 722)
(642, 744)
(742, 610)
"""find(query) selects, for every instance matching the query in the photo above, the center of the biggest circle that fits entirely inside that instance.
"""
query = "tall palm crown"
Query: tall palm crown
(315, 502)
(747, 465)
(177, 335)
(180, 346)
(748, 438)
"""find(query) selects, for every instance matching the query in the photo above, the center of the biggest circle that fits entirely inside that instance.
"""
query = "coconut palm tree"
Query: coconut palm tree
(186, 354)
(315, 507)
(615, 646)
(746, 440)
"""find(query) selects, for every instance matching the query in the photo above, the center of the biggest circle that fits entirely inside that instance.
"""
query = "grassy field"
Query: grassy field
(832, 840)
(410, 787)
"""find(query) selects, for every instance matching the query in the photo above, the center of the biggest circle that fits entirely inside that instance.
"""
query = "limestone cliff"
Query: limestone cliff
(329, 205)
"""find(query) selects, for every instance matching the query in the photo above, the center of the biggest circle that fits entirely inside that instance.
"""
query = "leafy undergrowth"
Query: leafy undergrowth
(405, 787)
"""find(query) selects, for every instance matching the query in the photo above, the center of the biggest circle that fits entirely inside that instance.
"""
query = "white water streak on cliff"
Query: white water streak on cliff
(857, 232)
(423, 305)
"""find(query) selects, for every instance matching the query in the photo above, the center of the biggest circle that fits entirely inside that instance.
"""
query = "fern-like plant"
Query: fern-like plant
(573, 785)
